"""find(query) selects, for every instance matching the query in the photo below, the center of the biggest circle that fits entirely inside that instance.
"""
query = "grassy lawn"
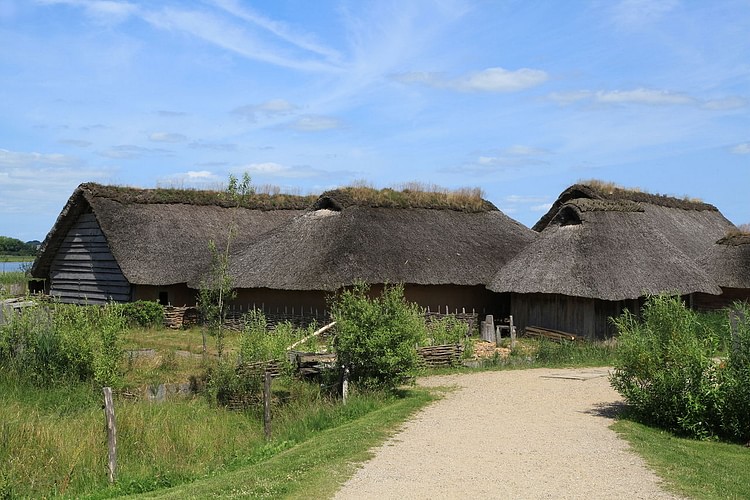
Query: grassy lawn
(697, 469)
(52, 442)
(313, 469)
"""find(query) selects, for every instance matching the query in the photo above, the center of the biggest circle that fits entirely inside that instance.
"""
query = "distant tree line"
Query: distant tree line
(13, 246)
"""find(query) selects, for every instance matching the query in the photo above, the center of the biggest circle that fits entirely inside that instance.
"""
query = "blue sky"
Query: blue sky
(520, 98)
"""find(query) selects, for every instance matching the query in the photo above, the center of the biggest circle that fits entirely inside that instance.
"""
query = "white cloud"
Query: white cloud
(488, 80)
(541, 208)
(642, 96)
(725, 104)
(166, 137)
(269, 109)
(39, 183)
(635, 13)
(281, 30)
(273, 169)
(105, 11)
(501, 80)
(314, 123)
(233, 37)
(216, 146)
(130, 152)
(517, 198)
(200, 179)
(76, 142)
(512, 158)
(646, 97)
(741, 149)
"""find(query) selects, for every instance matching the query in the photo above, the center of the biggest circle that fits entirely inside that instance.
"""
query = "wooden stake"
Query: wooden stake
(345, 386)
(512, 333)
(109, 413)
(267, 405)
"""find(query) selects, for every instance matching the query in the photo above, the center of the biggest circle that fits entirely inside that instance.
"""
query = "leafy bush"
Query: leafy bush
(447, 330)
(735, 379)
(377, 337)
(143, 313)
(63, 342)
(667, 373)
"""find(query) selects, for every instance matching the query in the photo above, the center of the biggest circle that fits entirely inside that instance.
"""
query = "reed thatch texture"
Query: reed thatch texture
(728, 261)
(693, 226)
(602, 250)
(161, 236)
(345, 239)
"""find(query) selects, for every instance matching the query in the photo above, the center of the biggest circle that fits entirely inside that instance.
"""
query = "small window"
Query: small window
(164, 298)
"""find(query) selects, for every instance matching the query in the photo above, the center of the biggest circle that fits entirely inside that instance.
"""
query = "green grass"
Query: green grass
(313, 469)
(17, 258)
(52, 441)
(697, 469)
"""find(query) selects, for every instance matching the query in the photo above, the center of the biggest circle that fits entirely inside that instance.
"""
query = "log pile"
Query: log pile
(178, 318)
(441, 355)
(549, 334)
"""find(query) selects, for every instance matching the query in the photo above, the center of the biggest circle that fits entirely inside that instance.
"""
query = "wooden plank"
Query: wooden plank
(105, 276)
(73, 238)
(106, 256)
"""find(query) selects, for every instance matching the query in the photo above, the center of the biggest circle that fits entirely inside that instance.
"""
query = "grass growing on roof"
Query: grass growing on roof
(412, 195)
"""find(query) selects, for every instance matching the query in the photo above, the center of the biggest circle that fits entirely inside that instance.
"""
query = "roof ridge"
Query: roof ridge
(358, 196)
(146, 196)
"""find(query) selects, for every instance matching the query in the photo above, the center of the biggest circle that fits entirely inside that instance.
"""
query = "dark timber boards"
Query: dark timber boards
(84, 270)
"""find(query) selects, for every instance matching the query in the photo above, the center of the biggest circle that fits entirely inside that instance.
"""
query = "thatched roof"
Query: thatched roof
(343, 240)
(603, 250)
(728, 261)
(693, 226)
(161, 236)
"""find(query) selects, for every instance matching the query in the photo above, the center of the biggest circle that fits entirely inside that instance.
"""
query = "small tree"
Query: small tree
(377, 338)
(217, 290)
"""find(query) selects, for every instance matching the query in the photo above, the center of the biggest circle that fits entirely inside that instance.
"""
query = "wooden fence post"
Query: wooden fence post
(345, 385)
(512, 334)
(109, 413)
(267, 405)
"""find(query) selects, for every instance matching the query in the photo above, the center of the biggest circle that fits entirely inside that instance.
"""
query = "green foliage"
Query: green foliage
(13, 246)
(735, 378)
(446, 330)
(58, 342)
(377, 338)
(145, 313)
(568, 353)
(668, 375)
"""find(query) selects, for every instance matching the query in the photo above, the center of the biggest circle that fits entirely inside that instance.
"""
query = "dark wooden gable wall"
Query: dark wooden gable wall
(84, 270)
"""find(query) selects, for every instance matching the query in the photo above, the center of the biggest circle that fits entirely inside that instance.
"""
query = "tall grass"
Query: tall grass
(52, 441)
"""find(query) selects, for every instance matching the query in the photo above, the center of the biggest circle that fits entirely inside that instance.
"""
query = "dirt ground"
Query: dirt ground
(539, 433)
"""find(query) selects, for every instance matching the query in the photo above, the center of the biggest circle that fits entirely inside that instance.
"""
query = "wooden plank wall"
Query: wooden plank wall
(580, 316)
(84, 270)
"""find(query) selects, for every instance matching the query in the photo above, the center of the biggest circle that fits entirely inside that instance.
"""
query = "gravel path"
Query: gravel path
(513, 434)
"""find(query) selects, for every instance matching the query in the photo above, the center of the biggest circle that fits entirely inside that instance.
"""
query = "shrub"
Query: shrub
(57, 342)
(377, 337)
(447, 330)
(143, 313)
(666, 370)
(735, 379)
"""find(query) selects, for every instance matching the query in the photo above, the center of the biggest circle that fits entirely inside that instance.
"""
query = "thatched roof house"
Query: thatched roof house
(591, 260)
(443, 247)
(119, 243)
(691, 225)
(728, 264)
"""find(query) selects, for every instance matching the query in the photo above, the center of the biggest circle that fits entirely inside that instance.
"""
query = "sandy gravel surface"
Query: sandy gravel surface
(515, 434)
